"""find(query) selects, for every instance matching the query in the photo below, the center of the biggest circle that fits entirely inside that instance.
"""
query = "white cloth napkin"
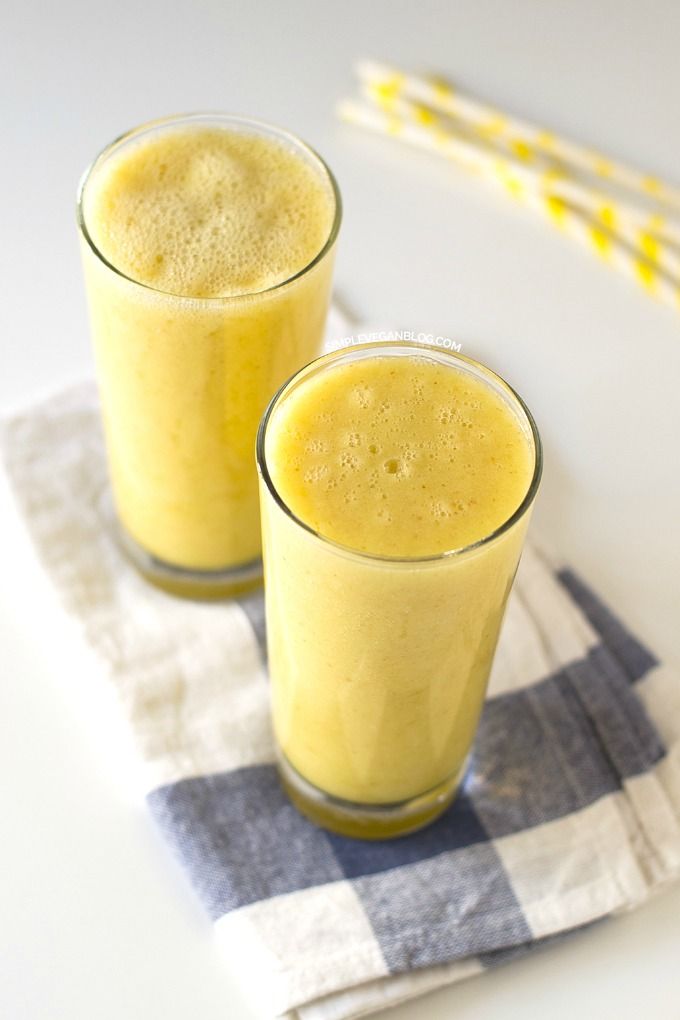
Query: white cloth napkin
(571, 810)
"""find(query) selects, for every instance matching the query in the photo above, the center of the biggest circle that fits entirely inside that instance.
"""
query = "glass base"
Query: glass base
(367, 821)
(189, 583)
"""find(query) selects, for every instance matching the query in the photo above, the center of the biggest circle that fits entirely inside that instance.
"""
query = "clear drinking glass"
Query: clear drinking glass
(379, 664)
(183, 383)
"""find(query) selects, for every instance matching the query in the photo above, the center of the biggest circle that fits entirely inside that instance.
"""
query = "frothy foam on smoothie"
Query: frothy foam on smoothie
(208, 212)
(399, 456)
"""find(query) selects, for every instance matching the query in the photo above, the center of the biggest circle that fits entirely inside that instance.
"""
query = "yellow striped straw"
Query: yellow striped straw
(427, 132)
(457, 140)
(493, 123)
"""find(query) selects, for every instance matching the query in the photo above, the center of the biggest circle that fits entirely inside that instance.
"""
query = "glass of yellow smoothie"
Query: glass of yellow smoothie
(396, 486)
(208, 244)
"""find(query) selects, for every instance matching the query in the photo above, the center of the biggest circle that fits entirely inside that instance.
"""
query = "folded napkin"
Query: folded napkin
(570, 811)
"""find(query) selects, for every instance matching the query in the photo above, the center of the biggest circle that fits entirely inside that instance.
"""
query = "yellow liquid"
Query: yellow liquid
(379, 668)
(207, 219)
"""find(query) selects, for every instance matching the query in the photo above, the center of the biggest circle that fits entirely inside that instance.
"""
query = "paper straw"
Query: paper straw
(541, 176)
(493, 123)
(570, 219)
(652, 226)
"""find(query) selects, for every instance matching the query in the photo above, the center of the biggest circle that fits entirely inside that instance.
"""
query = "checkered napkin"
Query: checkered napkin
(570, 812)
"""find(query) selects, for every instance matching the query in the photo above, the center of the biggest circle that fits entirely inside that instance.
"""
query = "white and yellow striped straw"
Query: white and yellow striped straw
(651, 224)
(568, 217)
(540, 175)
(495, 124)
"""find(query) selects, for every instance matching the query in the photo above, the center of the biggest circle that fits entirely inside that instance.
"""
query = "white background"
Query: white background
(96, 921)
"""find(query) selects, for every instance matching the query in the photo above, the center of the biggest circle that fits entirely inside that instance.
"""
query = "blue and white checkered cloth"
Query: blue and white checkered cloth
(571, 810)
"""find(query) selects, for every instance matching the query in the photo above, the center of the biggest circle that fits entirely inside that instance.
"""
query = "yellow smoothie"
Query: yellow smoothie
(194, 233)
(381, 636)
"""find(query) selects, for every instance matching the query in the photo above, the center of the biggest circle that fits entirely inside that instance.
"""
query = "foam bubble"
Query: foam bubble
(423, 459)
(349, 460)
(208, 212)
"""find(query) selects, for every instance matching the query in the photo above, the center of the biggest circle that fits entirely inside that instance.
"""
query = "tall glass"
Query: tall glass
(183, 384)
(379, 664)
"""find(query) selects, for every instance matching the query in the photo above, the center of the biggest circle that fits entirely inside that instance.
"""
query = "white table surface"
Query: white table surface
(96, 921)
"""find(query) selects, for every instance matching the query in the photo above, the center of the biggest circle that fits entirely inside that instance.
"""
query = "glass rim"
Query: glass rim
(409, 347)
(243, 122)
